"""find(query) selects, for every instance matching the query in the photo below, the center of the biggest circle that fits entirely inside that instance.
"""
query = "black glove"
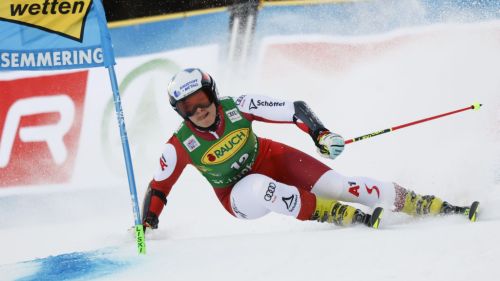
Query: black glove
(150, 221)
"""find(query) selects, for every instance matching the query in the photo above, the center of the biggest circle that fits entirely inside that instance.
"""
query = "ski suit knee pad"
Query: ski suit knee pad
(362, 190)
(256, 195)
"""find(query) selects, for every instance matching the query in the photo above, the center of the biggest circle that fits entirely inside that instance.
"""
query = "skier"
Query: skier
(253, 176)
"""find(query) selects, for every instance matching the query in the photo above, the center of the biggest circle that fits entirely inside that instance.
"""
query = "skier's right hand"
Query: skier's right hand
(330, 145)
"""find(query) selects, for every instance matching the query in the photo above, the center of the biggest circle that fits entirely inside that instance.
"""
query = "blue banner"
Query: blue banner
(53, 34)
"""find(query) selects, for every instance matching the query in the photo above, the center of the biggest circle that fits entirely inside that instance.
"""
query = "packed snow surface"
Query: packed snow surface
(82, 234)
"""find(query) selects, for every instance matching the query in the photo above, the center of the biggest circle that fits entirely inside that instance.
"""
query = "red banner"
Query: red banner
(40, 124)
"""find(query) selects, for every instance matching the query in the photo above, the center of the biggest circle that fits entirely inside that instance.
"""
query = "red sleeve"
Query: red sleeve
(302, 126)
(170, 166)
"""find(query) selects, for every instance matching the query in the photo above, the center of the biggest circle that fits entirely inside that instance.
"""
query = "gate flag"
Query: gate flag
(53, 34)
(64, 34)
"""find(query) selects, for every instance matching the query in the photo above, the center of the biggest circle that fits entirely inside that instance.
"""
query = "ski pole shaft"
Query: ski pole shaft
(475, 106)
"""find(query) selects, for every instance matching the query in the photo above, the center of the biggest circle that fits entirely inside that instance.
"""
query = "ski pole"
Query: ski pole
(475, 106)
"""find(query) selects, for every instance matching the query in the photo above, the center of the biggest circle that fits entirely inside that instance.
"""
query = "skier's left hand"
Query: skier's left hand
(330, 145)
(150, 221)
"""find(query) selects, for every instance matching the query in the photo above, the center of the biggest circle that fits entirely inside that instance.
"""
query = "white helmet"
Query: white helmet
(188, 81)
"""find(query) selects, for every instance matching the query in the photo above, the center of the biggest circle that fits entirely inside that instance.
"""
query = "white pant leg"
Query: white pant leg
(363, 190)
(256, 195)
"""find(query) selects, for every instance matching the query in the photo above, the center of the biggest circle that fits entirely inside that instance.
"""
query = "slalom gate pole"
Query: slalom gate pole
(139, 230)
(475, 106)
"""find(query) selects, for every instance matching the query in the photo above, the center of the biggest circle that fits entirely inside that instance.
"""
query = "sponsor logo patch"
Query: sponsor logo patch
(226, 147)
(290, 202)
(163, 163)
(168, 161)
(236, 210)
(354, 189)
(186, 87)
(252, 105)
(270, 191)
(370, 190)
(270, 103)
(191, 143)
(233, 115)
(240, 100)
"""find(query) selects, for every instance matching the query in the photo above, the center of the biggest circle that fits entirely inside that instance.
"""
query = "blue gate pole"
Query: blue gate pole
(139, 230)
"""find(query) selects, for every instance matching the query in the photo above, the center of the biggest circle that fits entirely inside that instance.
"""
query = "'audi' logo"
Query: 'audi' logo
(270, 191)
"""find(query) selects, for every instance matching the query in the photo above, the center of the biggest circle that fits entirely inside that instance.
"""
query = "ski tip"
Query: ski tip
(376, 217)
(474, 210)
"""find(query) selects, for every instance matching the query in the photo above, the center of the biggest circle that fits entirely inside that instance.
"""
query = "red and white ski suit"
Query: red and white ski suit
(279, 170)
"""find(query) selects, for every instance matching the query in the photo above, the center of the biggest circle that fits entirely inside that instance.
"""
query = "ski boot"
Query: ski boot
(417, 205)
(414, 204)
(331, 211)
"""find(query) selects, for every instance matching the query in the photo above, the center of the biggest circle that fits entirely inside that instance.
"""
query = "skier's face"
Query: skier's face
(199, 109)
(204, 117)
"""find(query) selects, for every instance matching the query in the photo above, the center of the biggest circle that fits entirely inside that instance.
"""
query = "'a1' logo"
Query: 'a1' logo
(40, 123)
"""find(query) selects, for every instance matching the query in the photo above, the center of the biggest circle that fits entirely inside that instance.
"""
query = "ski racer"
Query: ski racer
(253, 176)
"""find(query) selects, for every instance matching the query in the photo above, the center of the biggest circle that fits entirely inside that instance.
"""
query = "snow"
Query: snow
(83, 234)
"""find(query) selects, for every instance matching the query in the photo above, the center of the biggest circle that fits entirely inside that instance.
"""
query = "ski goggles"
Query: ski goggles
(190, 105)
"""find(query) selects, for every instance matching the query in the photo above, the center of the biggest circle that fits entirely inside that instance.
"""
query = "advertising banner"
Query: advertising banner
(44, 34)
(40, 124)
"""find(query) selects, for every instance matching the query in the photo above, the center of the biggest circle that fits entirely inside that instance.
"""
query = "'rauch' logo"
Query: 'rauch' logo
(225, 148)
(64, 17)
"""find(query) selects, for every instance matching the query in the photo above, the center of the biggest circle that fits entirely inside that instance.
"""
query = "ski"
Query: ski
(470, 212)
(375, 218)
(371, 220)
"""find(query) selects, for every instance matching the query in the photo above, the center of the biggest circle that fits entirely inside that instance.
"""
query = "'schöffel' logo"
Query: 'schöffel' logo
(226, 147)
(270, 103)
(64, 17)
